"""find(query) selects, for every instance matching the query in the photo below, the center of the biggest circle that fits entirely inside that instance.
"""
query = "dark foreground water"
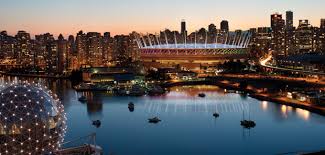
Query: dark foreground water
(188, 127)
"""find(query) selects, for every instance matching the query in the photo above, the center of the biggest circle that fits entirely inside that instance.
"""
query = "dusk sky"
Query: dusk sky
(124, 16)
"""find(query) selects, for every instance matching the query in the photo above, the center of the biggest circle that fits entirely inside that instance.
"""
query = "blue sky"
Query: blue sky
(124, 16)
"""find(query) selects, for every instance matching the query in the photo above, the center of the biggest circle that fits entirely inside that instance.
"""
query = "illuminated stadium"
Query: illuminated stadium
(194, 48)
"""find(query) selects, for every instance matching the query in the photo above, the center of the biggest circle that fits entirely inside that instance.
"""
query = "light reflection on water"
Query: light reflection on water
(187, 125)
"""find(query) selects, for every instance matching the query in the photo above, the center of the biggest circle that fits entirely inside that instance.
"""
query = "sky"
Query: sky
(124, 16)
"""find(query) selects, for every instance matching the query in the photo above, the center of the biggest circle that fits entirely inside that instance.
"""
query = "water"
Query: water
(188, 126)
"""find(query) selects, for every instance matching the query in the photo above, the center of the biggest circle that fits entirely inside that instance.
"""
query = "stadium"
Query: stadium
(193, 49)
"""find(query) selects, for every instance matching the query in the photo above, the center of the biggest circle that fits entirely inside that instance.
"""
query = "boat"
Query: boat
(154, 120)
(201, 95)
(131, 106)
(247, 124)
(97, 123)
(215, 115)
(82, 99)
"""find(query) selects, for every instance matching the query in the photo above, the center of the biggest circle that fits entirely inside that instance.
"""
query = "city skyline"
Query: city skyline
(143, 16)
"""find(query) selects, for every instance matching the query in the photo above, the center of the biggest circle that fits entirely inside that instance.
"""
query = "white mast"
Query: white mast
(144, 41)
(206, 38)
(149, 40)
(216, 40)
(239, 40)
(233, 42)
(226, 40)
(175, 39)
(195, 40)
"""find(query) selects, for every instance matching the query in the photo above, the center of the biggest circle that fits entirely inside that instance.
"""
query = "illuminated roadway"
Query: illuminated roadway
(263, 62)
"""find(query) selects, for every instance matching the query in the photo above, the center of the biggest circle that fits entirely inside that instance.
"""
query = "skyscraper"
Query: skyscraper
(23, 48)
(289, 34)
(212, 29)
(81, 48)
(322, 24)
(289, 20)
(224, 26)
(278, 40)
(322, 35)
(61, 54)
(304, 37)
(94, 49)
(183, 27)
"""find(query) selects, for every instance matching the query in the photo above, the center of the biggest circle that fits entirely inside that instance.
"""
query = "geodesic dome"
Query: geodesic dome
(32, 120)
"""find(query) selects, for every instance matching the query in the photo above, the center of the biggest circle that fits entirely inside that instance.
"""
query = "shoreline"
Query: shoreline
(260, 96)
(310, 107)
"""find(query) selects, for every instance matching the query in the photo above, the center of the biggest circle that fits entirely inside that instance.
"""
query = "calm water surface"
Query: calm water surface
(188, 126)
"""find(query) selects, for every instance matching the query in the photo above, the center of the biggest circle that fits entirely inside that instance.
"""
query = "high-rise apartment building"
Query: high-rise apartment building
(289, 34)
(224, 26)
(304, 37)
(278, 36)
